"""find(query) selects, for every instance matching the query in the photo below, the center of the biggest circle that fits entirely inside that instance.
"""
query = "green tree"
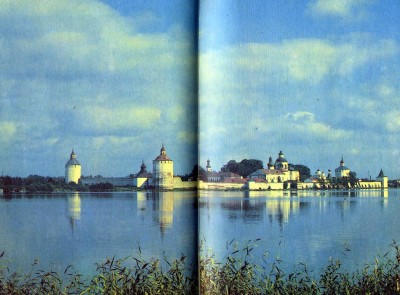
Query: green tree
(101, 187)
(304, 171)
(244, 167)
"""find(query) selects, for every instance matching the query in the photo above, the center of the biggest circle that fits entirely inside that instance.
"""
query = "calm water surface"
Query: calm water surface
(307, 226)
(82, 229)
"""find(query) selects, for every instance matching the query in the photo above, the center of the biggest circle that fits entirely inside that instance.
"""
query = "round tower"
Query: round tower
(72, 169)
(163, 171)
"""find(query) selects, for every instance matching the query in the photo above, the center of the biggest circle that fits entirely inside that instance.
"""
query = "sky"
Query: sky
(316, 79)
(115, 79)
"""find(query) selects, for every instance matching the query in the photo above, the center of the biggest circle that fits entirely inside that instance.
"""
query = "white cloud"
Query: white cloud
(116, 120)
(348, 9)
(393, 121)
(298, 95)
(303, 60)
(305, 124)
(7, 131)
(79, 73)
(187, 136)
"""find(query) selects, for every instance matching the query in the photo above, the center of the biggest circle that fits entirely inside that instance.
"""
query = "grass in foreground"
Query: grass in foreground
(234, 275)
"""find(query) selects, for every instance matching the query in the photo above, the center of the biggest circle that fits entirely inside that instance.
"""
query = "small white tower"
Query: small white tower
(383, 179)
(72, 169)
(208, 167)
(163, 171)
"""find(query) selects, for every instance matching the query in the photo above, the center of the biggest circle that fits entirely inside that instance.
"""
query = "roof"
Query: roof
(273, 171)
(229, 174)
(163, 155)
(234, 180)
(162, 158)
(381, 174)
(143, 175)
(281, 160)
(213, 174)
(257, 179)
(268, 172)
(143, 172)
(72, 162)
(341, 168)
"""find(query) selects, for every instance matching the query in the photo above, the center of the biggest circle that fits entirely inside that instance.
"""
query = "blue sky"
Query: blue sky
(113, 79)
(316, 79)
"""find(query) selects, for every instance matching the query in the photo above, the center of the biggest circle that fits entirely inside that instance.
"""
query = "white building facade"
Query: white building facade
(73, 169)
(280, 171)
(163, 171)
(342, 170)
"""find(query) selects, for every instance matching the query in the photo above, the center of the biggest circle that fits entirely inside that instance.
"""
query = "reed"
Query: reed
(237, 273)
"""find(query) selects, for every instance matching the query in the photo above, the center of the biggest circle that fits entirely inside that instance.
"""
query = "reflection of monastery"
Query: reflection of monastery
(278, 175)
(74, 208)
(163, 207)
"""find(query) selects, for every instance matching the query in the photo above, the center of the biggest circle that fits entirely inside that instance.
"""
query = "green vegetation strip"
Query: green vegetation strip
(234, 275)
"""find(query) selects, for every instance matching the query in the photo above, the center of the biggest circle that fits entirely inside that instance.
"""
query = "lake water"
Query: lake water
(83, 228)
(307, 226)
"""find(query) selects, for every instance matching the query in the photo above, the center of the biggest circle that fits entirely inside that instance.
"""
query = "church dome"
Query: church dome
(163, 155)
(72, 160)
(281, 158)
(341, 168)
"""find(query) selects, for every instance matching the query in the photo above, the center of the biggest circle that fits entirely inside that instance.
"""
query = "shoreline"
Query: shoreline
(126, 190)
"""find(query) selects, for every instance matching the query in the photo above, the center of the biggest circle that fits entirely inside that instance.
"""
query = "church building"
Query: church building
(342, 170)
(277, 172)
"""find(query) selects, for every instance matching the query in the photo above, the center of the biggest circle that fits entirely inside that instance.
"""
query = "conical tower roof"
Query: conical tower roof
(72, 159)
(163, 155)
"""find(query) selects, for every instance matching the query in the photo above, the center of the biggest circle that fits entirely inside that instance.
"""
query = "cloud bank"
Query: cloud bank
(79, 74)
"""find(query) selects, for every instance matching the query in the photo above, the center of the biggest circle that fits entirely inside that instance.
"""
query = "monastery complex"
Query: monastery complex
(278, 175)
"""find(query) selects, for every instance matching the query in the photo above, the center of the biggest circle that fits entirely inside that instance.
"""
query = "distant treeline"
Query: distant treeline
(36, 183)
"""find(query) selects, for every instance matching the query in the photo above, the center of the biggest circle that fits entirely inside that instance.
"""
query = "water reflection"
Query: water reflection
(307, 226)
(280, 210)
(164, 205)
(385, 195)
(141, 199)
(280, 206)
(245, 208)
(74, 208)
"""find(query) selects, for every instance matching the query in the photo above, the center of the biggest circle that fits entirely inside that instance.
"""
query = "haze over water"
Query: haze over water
(307, 226)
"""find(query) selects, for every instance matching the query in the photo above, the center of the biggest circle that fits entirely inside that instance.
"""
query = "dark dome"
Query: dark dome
(71, 162)
(341, 168)
(280, 160)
